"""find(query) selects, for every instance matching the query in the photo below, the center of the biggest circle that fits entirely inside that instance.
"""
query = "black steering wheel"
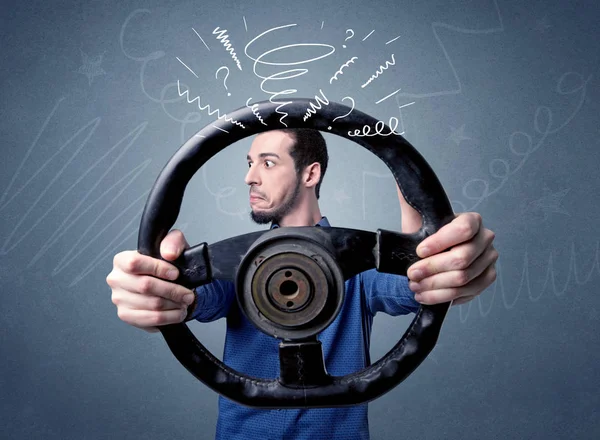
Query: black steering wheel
(290, 281)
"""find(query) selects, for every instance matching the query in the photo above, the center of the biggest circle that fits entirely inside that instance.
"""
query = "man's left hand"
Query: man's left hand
(458, 262)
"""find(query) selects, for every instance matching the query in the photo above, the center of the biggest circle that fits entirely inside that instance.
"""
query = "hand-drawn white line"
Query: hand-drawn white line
(64, 227)
(393, 39)
(31, 147)
(201, 39)
(500, 168)
(222, 193)
(549, 203)
(65, 261)
(379, 71)
(219, 128)
(109, 249)
(186, 66)
(312, 109)
(127, 179)
(293, 73)
(341, 69)
(254, 109)
(145, 61)
(368, 35)
(94, 124)
(207, 106)
(348, 37)
(388, 96)
(322, 23)
(400, 107)
(245, 24)
(224, 39)
(435, 26)
(379, 126)
(225, 79)
(525, 281)
(458, 135)
(90, 66)
(344, 115)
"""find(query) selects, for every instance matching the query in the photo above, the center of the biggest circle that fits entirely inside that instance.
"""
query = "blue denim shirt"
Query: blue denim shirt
(345, 349)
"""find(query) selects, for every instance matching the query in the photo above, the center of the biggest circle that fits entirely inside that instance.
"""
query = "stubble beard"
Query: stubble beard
(275, 215)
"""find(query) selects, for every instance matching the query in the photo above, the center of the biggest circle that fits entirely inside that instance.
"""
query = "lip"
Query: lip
(255, 198)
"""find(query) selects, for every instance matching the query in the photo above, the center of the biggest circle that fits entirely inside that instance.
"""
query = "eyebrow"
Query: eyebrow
(263, 155)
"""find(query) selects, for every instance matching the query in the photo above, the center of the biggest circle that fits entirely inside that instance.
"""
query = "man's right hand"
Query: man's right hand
(143, 289)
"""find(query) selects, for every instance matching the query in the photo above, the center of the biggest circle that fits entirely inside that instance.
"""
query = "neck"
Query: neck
(306, 212)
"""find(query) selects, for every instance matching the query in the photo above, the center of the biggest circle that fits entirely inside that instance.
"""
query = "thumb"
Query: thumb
(173, 245)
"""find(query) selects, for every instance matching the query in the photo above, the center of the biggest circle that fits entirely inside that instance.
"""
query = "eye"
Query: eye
(269, 163)
(249, 164)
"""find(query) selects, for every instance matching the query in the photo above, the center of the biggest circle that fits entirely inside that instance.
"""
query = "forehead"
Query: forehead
(273, 141)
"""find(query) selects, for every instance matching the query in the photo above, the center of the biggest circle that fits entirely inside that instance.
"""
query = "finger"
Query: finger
(173, 245)
(145, 318)
(463, 300)
(459, 258)
(456, 278)
(132, 262)
(474, 288)
(151, 286)
(130, 300)
(464, 227)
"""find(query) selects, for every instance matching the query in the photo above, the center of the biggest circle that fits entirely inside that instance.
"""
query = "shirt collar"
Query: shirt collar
(323, 222)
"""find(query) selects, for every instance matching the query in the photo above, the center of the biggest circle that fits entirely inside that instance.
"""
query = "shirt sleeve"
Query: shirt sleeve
(388, 293)
(213, 300)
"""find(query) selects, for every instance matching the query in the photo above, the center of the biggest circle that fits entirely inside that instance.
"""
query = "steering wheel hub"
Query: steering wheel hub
(289, 285)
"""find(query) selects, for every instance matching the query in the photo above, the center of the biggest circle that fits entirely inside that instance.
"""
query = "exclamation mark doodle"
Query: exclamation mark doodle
(347, 38)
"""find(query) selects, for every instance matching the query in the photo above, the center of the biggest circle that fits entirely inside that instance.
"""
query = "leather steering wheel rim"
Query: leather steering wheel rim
(421, 189)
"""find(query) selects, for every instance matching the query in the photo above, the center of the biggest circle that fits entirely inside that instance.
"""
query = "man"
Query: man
(286, 168)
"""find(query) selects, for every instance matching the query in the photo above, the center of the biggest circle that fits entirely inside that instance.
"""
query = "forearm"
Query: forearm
(411, 219)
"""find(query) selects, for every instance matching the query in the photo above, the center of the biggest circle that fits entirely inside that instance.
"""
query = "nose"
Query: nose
(252, 176)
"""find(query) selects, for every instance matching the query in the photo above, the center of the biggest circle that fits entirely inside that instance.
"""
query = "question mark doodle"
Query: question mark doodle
(347, 38)
(343, 116)
(224, 79)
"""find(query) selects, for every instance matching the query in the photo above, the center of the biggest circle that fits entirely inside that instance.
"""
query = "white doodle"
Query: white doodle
(224, 39)
(525, 283)
(254, 109)
(369, 34)
(90, 66)
(458, 135)
(207, 107)
(543, 122)
(285, 75)
(341, 69)
(201, 39)
(313, 107)
(435, 27)
(379, 71)
(186, 66)
(379, 129)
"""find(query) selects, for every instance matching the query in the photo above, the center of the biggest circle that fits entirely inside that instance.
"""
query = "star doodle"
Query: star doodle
(550, 203)
(90, 66)
(458, 135)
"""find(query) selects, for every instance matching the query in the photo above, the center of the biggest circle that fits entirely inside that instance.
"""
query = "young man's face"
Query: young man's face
(274, 184)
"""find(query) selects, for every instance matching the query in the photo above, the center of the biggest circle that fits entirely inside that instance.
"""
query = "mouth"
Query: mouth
(254, 197)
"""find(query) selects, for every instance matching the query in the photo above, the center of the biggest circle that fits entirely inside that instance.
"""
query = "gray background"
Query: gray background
(500, 97)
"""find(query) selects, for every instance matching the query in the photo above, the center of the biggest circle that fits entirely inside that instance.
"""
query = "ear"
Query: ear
(312, 175)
